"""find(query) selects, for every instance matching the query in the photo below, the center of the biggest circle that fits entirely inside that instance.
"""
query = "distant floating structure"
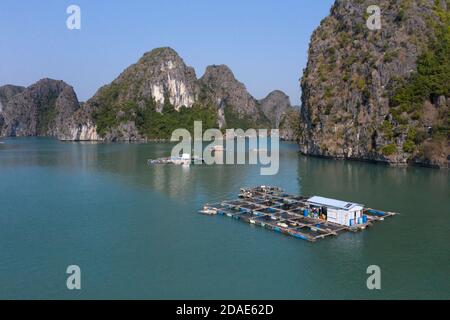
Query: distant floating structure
(258, 150)
(217, 148)
(306, 218)
(185, 159)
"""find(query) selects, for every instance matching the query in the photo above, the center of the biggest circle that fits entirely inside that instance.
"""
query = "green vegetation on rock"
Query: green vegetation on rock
(47, 115)
(432, 78)
(160, 125)
(391, 87)
(151, 123)
(389, 149)
(235, 121)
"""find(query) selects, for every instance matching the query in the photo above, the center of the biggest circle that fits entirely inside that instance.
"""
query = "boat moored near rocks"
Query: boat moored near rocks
(208, 211)
(185, 159)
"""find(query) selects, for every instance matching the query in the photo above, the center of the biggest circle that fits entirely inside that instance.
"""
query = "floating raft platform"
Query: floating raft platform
(185, 160)
(273, 209)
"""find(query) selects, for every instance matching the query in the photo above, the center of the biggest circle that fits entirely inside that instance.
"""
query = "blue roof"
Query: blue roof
(327, 202)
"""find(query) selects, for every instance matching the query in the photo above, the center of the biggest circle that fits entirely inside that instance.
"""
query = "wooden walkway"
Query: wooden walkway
(273, 209)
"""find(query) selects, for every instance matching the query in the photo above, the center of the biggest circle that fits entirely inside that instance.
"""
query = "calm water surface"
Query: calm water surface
(135, 232)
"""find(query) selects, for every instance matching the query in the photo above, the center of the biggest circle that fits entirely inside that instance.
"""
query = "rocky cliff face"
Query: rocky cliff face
(6, 93)
(275, 106)
(157, 74)
(379, 95)
(149, 100)
(39, 110)
(290, 124)
(231, 97)
(111, 113)
(139, 104)
(281, 114)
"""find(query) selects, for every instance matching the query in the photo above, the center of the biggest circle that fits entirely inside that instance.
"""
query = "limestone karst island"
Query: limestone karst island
(225, 150)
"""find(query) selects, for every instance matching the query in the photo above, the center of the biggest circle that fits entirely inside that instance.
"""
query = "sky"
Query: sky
(264, 42)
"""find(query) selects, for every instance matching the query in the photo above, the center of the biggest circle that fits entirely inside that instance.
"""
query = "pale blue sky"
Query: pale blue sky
(264, 42)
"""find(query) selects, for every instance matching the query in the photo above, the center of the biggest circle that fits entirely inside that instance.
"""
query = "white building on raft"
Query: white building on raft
(340, 212)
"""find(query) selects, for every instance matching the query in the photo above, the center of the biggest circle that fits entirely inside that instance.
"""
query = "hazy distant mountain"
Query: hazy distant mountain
(236, 107)
(275, 106)
(39, 110)
(282, 115)
(148, 100)
(6, 93)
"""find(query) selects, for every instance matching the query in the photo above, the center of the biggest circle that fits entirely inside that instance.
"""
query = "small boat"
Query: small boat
(217, 148)
(258, 150)
(283, 225)
(297, 235)
(252, 221)
(185, 159)
(197, 159)
(208, 211)
(246, 195)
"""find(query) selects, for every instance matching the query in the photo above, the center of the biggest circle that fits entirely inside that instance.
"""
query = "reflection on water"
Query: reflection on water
(135, 229)
(128, 162)
(375, 185)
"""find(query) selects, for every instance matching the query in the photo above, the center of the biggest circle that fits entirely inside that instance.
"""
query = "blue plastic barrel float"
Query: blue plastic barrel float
(377, 213)
(364, 219)
(305, 212)
(297, 235)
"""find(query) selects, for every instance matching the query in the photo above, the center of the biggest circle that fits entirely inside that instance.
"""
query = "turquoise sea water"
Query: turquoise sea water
(135, 232)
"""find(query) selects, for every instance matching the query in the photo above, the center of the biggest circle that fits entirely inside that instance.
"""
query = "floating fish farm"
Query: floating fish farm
(301, 217)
